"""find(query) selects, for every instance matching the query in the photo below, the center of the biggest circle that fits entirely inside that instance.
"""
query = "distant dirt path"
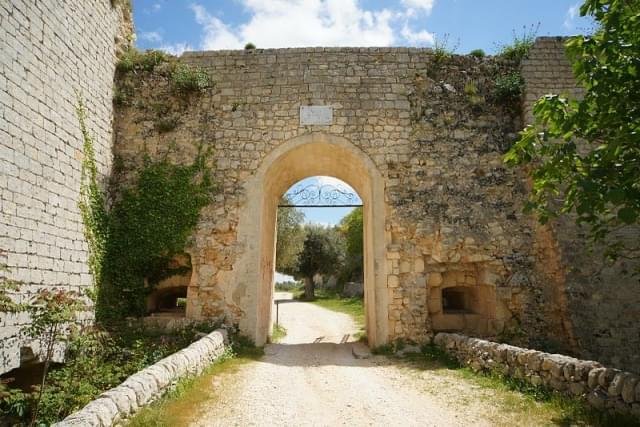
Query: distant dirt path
(312, 378)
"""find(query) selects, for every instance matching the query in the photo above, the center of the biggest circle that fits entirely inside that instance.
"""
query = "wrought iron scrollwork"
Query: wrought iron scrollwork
(321, 195)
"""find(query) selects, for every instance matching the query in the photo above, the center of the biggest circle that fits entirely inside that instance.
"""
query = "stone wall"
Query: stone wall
(603, 388)
(49, 51)
(142, 388)
(433, 129)
(598, 305)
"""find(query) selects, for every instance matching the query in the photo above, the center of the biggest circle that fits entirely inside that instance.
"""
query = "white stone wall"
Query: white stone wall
(49, 51)
(143, 387)
(602, 387)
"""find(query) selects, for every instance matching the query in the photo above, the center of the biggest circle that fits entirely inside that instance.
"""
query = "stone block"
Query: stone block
(628, 389)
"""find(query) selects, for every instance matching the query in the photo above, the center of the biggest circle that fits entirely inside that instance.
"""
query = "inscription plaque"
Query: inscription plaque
(316, 115)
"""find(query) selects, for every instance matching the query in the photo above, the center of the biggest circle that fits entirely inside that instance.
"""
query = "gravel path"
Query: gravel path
(312, 378)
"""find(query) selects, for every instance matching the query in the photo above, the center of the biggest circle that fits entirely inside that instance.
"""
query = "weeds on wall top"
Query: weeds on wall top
(519, 48)
(184, 79)
(443, 49)
(188, 79)
(133, 60)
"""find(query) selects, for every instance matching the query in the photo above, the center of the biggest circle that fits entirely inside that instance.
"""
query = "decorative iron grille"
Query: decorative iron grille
(321, 195)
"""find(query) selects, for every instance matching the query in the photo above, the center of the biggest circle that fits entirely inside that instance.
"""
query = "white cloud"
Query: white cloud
(216, 34)
(304, 23)
(176, 48)
(418, 38)
(150, 36)
(422, 5)
(572, 14)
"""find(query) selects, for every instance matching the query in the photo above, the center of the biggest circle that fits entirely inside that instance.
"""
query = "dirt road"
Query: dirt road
(312, 378)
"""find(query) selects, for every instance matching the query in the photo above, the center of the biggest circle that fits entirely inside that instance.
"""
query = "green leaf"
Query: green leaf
(628, 215)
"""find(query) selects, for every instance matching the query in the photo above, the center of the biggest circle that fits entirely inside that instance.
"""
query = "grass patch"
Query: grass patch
(279, 332)
(179, 406)
(517, 397)
(354, 307)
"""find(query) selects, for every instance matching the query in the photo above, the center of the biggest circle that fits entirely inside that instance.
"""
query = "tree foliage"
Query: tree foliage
(290, 239)
(322, 253)
(585, 154)
(351, 227)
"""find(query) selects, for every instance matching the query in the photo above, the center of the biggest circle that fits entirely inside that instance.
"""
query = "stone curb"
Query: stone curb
(143, 387)
(603, 388)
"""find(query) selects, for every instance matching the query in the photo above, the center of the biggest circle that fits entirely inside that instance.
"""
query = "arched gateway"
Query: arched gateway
(447, 247)
(309, 155)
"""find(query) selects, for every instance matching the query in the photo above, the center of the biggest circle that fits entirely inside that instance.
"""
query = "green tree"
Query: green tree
(351, 227)
(322, 253)
(290, 238)
(584, 155)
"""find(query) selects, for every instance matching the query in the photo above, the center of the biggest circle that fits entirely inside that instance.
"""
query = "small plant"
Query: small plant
(442, 50)
(119, 96)
(188, 79)
(165, 124)
(509, 87)
(279, 332)
(134, 60)
(249, 46)
(471, 90)
(519, 48)
(478, 53)
(53, 316)
(7, 288)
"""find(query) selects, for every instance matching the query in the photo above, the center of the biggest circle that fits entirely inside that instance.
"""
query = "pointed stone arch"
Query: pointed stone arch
(301, 157)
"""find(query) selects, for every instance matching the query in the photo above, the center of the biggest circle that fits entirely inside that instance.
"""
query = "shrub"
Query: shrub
(478, 53)
(520, 46)
(96, 360)
(165, 124)
(249, 46)
(508, 87)
(134, 60)
(187, 79)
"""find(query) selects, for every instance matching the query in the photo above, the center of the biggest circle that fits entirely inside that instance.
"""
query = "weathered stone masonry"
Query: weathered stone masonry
(431, 132)
(49, 50)
(453, 212)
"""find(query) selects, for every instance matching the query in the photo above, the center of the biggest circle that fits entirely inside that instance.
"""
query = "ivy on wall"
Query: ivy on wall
(92, 201)
(148, 225)
(132, 243)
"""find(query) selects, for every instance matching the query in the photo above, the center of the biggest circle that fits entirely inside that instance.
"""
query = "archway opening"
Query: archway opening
(319, 263)
(308, 155)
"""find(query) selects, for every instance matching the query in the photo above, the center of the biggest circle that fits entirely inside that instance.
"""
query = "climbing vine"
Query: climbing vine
(92, 201)
(150, 222)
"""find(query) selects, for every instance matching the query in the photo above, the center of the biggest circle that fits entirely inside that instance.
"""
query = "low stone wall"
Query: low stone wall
(603, 388)
(149, 384)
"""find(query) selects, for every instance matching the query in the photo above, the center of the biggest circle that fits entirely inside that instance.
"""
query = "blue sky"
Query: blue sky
(178, 25)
